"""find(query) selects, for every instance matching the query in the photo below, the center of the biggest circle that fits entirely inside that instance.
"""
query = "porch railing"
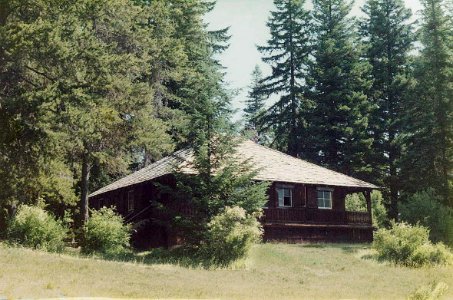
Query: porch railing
(315, 216)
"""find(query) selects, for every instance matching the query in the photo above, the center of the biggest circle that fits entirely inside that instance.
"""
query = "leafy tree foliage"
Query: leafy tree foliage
(287, 52)
(426, 208)
(338, 81)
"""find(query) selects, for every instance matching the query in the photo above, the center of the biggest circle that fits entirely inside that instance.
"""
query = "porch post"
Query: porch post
(367, 194)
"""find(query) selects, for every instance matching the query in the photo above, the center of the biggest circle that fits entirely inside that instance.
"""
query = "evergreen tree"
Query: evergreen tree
(32, 162)
(254, 105)
(388, 34)
(221, 179)
(339, 82)
(79, 66)
(287, 52)
(428, 159)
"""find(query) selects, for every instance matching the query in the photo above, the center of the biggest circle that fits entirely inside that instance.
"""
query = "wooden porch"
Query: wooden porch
(302, 215)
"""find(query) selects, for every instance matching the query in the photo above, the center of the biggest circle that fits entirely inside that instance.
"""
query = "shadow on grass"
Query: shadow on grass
(370, 256)
(178, 256)
(315, 245)
(350, 249)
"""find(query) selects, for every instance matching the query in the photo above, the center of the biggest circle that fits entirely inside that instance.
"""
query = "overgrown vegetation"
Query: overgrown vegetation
(409, 245)
(430, 291)
(426, 208)
(230, 236)
(33, 227)
(106, 234)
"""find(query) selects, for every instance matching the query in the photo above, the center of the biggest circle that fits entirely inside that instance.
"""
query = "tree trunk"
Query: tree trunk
(85, 189)
(4, 11)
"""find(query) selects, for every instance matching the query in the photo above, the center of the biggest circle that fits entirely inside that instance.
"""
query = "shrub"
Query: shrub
(34, 227)
(379, 212)
(105, 233)
(409, 246)
(431, 291)
(230, 236)
(425, 208)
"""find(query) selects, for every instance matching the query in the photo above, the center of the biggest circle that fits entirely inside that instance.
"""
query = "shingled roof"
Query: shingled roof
(272, 165)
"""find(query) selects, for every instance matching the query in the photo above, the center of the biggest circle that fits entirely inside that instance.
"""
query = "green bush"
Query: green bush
(431, 291)
(34, 227)
(230, 236)
(380, 218)
(425, 208)
(409, 246)
(105, 233)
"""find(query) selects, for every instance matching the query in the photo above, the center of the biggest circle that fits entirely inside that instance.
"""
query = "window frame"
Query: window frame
(130, 201)
(101, 202)
(323, 190)
(284, 187)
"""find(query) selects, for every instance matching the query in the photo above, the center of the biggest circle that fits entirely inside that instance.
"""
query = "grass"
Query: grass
(273, 271)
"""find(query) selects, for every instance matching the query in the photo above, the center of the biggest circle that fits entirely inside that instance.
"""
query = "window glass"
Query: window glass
(284, 197)
(130, 201)
(325, 199)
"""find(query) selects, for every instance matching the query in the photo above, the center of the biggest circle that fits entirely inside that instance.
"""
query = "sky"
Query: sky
(247, 20)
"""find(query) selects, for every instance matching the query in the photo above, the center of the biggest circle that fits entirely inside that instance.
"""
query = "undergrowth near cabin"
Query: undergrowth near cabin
(410, 246)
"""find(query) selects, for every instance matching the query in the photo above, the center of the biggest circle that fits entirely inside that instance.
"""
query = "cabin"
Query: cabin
(306, 201)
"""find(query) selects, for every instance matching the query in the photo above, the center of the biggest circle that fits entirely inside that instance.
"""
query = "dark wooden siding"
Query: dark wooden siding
(156, 231)
(312, 201)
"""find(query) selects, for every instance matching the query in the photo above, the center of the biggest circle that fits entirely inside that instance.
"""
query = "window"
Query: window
(101, 203)
(130, 201)
(325, 198)
(285, 196)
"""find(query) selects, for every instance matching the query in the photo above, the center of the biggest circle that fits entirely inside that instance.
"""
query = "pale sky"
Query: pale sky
(247, 20)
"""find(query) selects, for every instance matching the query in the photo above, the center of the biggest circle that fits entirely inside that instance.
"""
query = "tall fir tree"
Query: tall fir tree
(287, 52)
(428, 143)
(255, 103)
(81, 65)
(338, 83)
(221, 180)
(388, 34)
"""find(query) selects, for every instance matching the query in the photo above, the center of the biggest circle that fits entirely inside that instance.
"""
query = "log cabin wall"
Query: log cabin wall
(155, 233)
(312, 197)
(144, 193)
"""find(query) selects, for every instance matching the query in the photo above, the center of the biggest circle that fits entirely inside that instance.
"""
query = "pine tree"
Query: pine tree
(254, 105)
(80, 75)
(32, 162)
(287, 52)
(428, 156)
(339, 82)
(388, 34)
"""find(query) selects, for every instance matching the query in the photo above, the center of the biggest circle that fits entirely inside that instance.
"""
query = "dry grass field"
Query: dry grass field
(273, 271)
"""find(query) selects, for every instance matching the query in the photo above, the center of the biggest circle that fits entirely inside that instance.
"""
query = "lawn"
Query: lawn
(273, 271)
